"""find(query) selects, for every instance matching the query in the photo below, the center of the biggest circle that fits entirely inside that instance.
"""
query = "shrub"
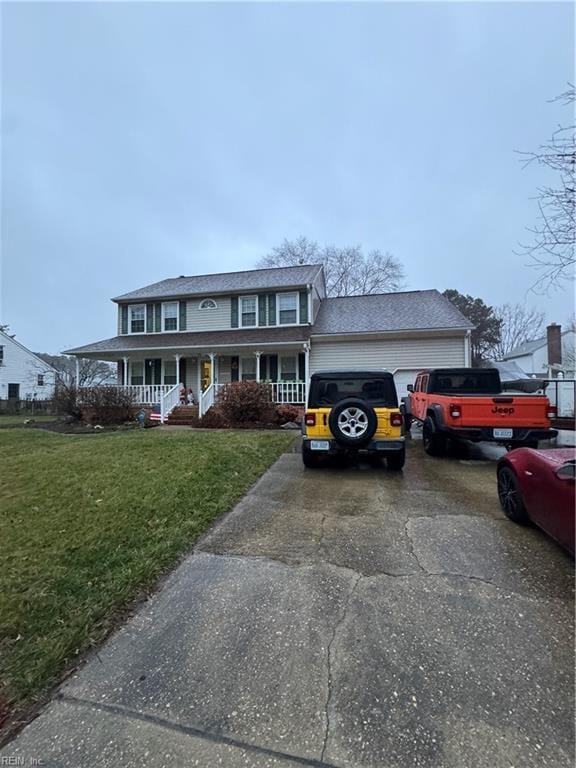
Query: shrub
(286, 413)
(246, 401)
(213, 419)
(66, 401)
(106, 405)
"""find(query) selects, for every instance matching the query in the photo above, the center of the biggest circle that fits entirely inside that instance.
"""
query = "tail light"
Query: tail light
(396, 419)
(455, 411)
(551, 411)
(310, 419)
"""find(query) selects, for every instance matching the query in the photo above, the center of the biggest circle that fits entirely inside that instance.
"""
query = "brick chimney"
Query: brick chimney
(554, 338)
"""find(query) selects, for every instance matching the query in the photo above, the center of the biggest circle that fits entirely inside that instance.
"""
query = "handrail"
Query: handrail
(169, 401)
(206, 400)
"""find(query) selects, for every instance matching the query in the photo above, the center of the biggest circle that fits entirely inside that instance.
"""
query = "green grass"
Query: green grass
(87, 523)
(20, 418)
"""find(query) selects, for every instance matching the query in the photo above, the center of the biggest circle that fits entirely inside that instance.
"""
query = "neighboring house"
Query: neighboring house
(548, 355)
(273, 325)
(23, 375)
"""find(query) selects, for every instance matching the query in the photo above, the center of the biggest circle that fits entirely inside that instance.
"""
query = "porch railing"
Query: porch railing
(207, 398)
(169, 401)
(288, 392)
(147, 394)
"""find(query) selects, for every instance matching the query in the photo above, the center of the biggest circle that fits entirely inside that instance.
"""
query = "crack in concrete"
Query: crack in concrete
(411, 546)
(329, 686)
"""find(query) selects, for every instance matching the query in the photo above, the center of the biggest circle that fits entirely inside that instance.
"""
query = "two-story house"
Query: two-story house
(274, 325)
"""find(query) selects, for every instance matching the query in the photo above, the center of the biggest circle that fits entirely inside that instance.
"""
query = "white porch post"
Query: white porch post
(125, 371)
(177, 358)
(198, 377)
(212, 356)
(306, 370)
(258, 354)
(77, 371)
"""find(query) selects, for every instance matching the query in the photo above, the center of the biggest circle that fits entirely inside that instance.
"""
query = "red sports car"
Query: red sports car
(539, 486)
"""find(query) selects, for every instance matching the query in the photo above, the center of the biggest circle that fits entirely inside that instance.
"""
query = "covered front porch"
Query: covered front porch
(158, 377)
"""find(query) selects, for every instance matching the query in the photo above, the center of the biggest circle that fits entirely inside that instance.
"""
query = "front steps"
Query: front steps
(183, 415)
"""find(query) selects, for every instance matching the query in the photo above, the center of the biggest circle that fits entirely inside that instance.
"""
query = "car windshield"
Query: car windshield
(377, 391)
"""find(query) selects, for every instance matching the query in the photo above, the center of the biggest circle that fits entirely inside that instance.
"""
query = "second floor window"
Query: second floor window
(170, 311)
(287, 308)
(40, 380)
(1, 355)
(248, 310)
(137, 312)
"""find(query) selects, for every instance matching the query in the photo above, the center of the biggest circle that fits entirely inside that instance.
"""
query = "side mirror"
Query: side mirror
(567, 471)
(410, 387)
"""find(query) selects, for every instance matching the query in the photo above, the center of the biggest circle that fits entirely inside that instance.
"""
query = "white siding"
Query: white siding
(21, 367)
(391, 354)
(208, 319)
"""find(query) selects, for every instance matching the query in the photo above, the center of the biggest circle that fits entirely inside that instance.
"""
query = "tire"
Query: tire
(395, 461)
(434, 442)
(310, 459)
(407, 422)
(510, 496)
(353, 422)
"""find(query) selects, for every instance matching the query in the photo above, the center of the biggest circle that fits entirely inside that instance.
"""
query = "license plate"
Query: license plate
(319, 445)
(503, 433)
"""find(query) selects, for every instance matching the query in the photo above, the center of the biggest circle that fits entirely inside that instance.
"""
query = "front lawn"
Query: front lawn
(88, 523)
(9, 419)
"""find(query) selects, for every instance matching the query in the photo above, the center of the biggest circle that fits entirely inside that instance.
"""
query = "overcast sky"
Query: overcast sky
(144, 141)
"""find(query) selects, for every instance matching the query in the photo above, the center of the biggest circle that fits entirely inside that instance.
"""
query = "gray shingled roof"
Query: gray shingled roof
(202, 339)
(407, 311)
(227, 282)
(526, 348)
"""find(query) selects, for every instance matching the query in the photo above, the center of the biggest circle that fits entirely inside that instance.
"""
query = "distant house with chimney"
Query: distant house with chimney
(550, 356)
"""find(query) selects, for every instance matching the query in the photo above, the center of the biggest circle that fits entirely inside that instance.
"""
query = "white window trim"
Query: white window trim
(287, 293)
(287, 357)
(164, 304)
(203, 309)
(130, 308)
(240, 314)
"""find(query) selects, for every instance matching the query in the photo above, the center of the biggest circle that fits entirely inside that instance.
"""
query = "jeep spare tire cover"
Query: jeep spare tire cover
(353, 422)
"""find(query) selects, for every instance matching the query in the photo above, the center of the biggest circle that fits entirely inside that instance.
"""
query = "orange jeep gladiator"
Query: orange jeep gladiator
(469, 404)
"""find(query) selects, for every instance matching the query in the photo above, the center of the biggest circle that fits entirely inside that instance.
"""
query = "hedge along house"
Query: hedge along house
(271, 325)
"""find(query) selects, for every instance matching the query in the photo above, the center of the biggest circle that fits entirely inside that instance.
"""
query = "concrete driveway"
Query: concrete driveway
(352, 617)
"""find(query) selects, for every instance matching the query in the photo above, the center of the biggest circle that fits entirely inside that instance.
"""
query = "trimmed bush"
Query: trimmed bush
(246, 401)
(286, 413)
(106, 405)
(213, 419)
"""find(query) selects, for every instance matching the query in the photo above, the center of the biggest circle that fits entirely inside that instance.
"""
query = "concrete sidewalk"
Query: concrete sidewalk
(352, 617)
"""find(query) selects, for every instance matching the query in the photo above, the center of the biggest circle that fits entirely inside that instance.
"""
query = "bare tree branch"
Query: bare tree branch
(349, 271)
(518, 325)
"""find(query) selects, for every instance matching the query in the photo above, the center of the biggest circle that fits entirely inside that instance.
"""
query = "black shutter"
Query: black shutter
(124, 318)
(157, 371)
(302, 366)
(234, 312)
(272, 310)
(262, 310)
(263, 367)
(273, 367)
(120, 372)
(182, 321)
(182, 372)
(148, 371)
(158, 317)
(149, 318)
(303, 306)
(234, 368)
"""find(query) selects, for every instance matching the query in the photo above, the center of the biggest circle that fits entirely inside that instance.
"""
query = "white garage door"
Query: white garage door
(403, 377)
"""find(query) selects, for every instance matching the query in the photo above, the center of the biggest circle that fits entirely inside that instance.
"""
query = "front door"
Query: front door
(206, 373)
(153, 371)
(13, 391)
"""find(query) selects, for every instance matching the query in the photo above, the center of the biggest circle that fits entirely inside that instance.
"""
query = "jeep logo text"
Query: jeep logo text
(503, 411)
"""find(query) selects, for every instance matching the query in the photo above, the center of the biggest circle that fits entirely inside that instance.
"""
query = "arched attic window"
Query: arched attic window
(208, 304)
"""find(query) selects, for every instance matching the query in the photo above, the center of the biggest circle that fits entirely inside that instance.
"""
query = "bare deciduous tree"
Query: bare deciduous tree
(93, 373)
(519, 324)
(349, 271)
(552, 250)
